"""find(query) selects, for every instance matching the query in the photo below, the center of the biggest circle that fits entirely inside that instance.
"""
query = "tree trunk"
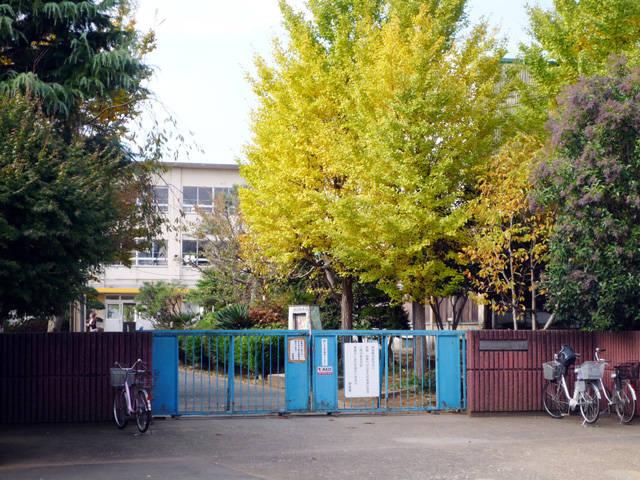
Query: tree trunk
(458, 303)
(346, 304)
(420, 357)
(512, 276)
(532, 273)
(534, 316)
(434, 303)
(488, 322)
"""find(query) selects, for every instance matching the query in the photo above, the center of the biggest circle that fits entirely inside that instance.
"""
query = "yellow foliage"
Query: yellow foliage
(365, 149)
(509, 239)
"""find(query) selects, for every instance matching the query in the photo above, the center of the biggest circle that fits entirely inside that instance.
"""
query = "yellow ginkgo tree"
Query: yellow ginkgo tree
(427, 104)
(296, 165)
(571, 39)
(373, 123)
(509, 245)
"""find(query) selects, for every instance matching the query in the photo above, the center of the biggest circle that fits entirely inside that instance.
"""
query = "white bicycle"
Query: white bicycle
(132, 396)
(623, 396)
(556, 399)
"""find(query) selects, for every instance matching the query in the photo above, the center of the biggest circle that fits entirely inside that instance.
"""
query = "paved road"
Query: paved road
(446, 446)
(200, 392)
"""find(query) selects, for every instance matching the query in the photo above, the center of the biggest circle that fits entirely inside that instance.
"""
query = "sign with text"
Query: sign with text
(325, 370)
(361, 370)
(297, 350)
(325, 351)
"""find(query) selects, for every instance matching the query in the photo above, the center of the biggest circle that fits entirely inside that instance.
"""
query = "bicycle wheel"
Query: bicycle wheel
(604, 394)
(625, 403)
(120, 408)
(590, 403)
(553, 400)
(143, 411)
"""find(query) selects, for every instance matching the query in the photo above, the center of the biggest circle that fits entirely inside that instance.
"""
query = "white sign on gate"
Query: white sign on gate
(325, 351)
(297, 350)
(361, 370)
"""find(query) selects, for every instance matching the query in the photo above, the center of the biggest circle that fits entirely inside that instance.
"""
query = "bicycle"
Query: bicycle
(555, 395)
(125, 404)
(623, 396)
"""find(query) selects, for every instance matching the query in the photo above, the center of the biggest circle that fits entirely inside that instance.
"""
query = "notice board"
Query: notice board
(361, 370)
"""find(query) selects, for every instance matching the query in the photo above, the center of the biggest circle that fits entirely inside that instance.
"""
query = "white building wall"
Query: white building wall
(119, 284)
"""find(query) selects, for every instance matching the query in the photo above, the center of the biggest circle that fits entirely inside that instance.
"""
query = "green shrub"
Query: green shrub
(259, 355)
(252, 353)
(202, 351)
(232, 317)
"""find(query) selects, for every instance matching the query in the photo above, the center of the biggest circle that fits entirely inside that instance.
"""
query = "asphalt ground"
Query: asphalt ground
(202, 392)
(425, 446)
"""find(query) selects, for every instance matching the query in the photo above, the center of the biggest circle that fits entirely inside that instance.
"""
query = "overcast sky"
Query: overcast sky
(206, 49)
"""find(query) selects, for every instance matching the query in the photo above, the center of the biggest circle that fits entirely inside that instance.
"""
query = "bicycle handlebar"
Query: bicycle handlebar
(137, 362)
(132, 367)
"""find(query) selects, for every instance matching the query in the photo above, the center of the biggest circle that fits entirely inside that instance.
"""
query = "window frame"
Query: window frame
(140, 259)
(191, 207)
(162, 207)
(198, 260)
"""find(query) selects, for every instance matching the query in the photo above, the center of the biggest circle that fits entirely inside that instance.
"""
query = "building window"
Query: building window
(226, 197)
(197, 197)
(113, 310)
(193, 252)
(203, 198)
(161, 198)
(154, 254)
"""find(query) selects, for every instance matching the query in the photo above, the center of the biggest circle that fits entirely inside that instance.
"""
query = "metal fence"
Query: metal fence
(408, 380)
(212, 372)
(224, 372)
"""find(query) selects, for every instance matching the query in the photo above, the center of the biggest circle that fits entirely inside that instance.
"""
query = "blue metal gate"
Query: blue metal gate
(213, 372)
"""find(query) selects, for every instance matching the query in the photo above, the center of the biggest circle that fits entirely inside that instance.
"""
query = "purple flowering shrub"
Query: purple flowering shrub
(592, 183)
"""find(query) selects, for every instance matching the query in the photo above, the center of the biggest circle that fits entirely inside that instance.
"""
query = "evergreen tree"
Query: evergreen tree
(58, 208)
(591, 183)
(79, 65)
(82, 59)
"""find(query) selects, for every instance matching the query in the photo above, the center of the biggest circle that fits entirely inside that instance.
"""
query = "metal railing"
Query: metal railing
(408, 370)
(252, 372)
(241, 371)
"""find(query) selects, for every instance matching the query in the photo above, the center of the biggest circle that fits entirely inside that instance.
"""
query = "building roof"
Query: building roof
(203, 165)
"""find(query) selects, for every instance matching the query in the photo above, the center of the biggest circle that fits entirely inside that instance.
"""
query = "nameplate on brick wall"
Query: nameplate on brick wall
(504, 345)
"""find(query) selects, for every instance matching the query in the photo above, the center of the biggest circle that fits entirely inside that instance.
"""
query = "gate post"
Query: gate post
(231, 375)
(296, 374)
(448, 372)
(164, 355)
(325, 372)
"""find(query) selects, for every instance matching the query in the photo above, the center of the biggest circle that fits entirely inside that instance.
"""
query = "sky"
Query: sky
(206, 48)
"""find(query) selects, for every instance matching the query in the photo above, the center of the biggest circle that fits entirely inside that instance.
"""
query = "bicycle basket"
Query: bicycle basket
(628, 370)
(552, 370)
(121, 375)
(591, 370)
(144, 379)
